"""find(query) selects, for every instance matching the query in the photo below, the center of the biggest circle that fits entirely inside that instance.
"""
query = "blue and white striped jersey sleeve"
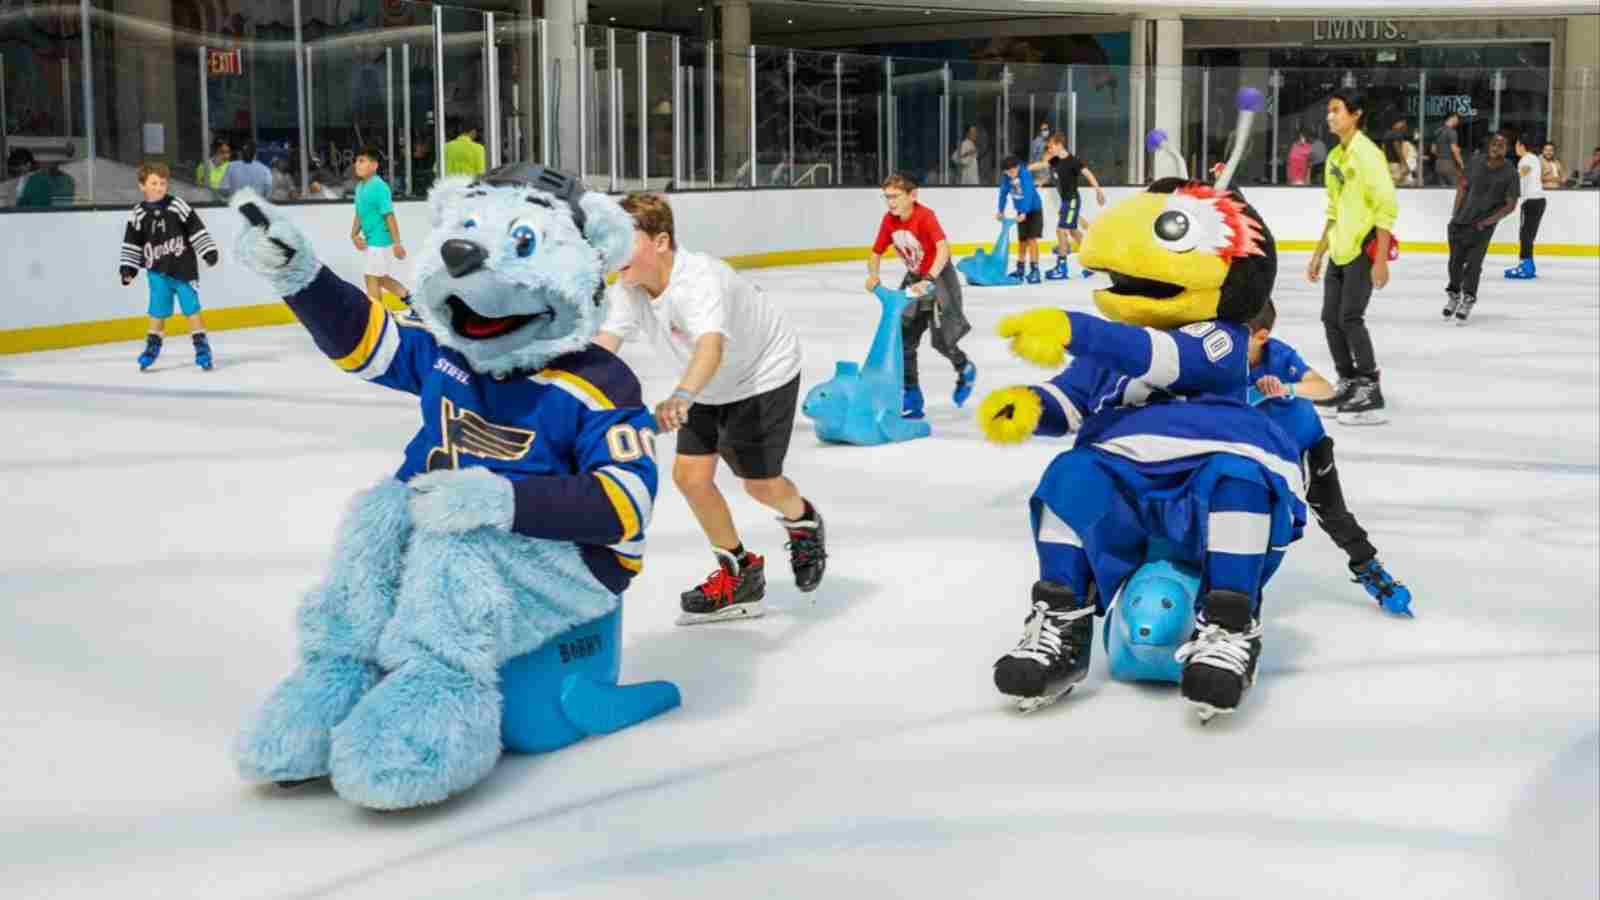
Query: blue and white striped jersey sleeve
(362, 336)
(1204, 357)
(1065, 400)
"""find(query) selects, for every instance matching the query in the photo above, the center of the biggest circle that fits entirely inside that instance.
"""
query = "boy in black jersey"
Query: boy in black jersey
(165, 237)
(1067, 168)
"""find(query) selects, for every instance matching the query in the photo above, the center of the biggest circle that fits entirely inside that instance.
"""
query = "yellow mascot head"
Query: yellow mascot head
(1181, 252)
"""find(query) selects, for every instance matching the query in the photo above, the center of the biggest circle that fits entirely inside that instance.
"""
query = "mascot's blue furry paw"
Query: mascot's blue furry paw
(427, 731)
(289, 739)
(461, 500)
(280, 252)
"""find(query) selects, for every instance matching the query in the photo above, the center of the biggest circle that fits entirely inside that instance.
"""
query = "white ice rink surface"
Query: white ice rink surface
(158, 531)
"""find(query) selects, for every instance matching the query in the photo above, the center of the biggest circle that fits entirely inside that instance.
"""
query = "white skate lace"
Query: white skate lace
(1220, 648)
(1041, 635)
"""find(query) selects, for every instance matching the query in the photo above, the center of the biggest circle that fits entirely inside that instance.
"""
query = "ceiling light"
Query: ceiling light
(791, 21)
(613, 18)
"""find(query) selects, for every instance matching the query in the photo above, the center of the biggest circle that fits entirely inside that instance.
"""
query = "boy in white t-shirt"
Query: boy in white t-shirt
(1529, 172)
(736, 398)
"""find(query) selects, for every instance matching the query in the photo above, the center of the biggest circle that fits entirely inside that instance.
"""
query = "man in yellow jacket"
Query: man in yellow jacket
(464, 155)
(1360, 221)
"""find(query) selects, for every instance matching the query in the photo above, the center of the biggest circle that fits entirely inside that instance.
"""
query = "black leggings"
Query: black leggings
(1532, 212)
(1469, 244)
(1326, 499)
(1346, 291)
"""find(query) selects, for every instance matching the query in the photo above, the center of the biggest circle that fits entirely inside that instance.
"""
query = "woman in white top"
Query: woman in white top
(736, 398)
(966, 156)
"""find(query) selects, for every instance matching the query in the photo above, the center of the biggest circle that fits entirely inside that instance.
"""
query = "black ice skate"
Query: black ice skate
(1365, 406)
(1452, 301)
(732, 591)
(808, 553)
(1053, 655)
(1341, 393)
(1219, 661)
(1465, 308)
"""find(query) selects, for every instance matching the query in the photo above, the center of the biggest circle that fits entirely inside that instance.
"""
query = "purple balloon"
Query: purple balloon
(1251, 100)
(1154, 140)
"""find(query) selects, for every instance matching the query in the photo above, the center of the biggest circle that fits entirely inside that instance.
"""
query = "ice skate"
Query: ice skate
(1342, 391)
(911, 403)
(733, 590)
(152, 351)
(202, 352)
(1053, 655)
(1452, 300)
(1365, 406)
(1219, 660)
(1392, 595)
(1060, 272)
(965, 379)
(807, 546)
(1465, 308)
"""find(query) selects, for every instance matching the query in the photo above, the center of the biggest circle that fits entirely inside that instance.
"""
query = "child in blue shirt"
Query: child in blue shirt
(1016, 184)
(1284, 387)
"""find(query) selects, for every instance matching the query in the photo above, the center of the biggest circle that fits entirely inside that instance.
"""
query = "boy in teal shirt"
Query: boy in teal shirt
(375, 231)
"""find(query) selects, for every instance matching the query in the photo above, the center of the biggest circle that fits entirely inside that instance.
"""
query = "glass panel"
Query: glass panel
(599, 112)
(660, 78)
(733, 119)
(517, 66)
(466, 93)
(816, 120)
(43, 133)
(773, 119)
(974, 112)
(627, 73)
(862, 162)
(418, 166)
(918, 105)
(697, 116)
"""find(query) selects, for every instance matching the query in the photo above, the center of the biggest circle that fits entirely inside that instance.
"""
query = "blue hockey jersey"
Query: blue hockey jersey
(574, 438)
(1160, 399)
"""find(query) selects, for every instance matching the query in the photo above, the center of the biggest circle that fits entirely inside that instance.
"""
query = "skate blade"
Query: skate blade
(1027, 705)
(1460, 322)
(1207, 712)
(742, 611)
(1362, 418)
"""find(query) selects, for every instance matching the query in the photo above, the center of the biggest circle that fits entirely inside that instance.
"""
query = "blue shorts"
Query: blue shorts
(163, 288)
(1069, 214)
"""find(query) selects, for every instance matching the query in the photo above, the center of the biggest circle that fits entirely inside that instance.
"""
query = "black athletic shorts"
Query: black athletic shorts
(751, 434)
(1031, 226)
(1068, 219)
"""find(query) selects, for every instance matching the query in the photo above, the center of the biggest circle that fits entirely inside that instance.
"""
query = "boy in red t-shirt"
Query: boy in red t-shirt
(914, 232)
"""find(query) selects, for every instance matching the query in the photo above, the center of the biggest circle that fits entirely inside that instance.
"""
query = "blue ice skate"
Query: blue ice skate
(965, 379)
(152, 351)
(1523, 271)
(1060, 272)
(202, 352)
(1033, 274)
(911, 405)
(1392, 595)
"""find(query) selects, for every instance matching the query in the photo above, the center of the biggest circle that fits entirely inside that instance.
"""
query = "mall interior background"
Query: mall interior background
(696, 94)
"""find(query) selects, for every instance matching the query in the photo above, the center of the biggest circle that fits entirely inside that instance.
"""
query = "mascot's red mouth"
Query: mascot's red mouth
(469, 324)
(1149, 288)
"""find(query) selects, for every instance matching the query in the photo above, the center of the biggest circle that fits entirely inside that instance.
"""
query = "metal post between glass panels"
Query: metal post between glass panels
(688, 113)
(438, 88)
(1072, 114)
(790, 160)
(311, 106)
(1498, 82)
(405, 115)
(1005, 112)
(388, 106)
(205, 115)
(300, 103)
(613, 106)
(1422, 124)
(88, 89)
(546, 76)
(1205, 121)
(944, 125)
(585, 65)
(644, 111)
(750, 89)
(886, 114)
(677, 114)
(491, 96)
(711, 106)
(1275, 80)
(838, 119)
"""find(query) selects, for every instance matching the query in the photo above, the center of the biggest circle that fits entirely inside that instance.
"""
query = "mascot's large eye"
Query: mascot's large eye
(1171, 226)
(525, 238)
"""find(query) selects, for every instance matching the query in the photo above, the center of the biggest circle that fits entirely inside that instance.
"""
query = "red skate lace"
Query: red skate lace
(719, 586)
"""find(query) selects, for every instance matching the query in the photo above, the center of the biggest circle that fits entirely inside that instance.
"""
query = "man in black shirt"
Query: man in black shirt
(1067, 168)
(1486, 194)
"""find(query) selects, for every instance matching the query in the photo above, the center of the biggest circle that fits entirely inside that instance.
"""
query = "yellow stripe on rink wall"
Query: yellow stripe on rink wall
(80, 334)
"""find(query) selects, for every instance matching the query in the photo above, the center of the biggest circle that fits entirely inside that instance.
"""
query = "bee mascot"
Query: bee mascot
(1168, 452)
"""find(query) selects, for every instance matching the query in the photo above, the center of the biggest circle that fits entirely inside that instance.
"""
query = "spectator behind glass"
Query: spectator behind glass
(283, 187)
(1300, 159)
(246, 171)
(1591, 172)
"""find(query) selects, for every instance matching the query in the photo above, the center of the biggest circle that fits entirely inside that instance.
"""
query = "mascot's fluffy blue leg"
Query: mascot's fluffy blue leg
(469, 602)
(339, 625)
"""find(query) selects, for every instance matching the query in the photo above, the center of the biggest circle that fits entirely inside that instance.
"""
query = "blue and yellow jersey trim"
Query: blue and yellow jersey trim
(629, 497)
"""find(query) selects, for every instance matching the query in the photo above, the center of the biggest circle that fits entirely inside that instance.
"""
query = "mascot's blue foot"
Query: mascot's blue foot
(289, 739)
(427, 731)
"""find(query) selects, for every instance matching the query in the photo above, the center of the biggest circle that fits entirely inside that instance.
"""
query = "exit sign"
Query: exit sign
(225, 62)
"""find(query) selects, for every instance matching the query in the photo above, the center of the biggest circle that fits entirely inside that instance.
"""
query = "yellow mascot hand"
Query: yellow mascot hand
(1009, 415)
(1039, 336)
